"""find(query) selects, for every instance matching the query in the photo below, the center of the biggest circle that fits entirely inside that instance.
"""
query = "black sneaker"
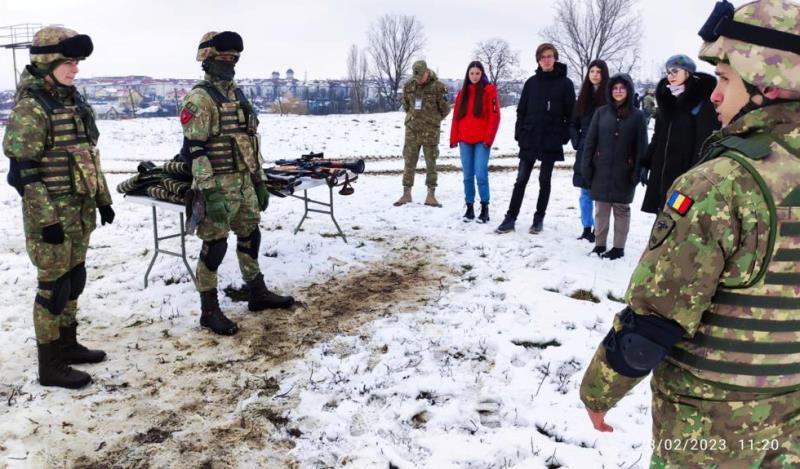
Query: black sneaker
(599, 250)
(469, 215)
(506, 226)
(614, 253)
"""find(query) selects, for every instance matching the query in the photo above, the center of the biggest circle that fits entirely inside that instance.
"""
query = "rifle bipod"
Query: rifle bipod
(347, 188)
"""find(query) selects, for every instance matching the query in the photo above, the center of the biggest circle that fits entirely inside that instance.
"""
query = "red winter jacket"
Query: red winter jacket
(471, 129)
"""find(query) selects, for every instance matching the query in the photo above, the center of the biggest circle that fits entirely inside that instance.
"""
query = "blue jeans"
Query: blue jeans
(586, 209)
(475, 162)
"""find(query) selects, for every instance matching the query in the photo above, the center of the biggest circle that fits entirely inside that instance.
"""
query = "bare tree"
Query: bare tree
(498, 59)
(357, 70)
(394, 41)
(584, 30)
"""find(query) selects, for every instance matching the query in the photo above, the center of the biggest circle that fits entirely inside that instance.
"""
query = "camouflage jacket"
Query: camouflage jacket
(200, 118)
(425, 105)
(26, 138)
(718, 242)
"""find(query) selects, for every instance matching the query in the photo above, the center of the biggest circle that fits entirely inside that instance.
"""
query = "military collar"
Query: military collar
(762, 119)
(225, 86)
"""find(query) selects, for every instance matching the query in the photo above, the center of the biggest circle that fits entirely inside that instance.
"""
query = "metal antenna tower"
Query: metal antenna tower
(17, 36)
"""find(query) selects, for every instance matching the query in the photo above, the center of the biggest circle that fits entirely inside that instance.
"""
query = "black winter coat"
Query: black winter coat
(682, 125)
(613, 150)
(543, 115)
(580, 127)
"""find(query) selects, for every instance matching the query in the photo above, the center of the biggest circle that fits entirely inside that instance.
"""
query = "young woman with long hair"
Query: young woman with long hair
(476, 117)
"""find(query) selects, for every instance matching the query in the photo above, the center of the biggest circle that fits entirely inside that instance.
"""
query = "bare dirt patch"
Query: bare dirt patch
(197, 400)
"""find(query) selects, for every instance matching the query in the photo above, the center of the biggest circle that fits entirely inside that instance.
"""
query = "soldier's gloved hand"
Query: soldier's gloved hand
(53, 234)
(263, 196)
(106, 214)
(216, 205)
(643, 175)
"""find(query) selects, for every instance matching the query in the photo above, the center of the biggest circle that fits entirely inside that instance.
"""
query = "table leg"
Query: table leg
(183, 251)
(155, 239)
(341, 233)
(305, 211)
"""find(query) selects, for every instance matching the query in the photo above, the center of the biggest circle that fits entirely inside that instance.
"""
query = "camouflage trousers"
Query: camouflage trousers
(243, 217)
(77, 215)
(698, 424)
(411, 150)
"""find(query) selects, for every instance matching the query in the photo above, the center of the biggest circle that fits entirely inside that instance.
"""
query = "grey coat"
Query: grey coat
(614, 149)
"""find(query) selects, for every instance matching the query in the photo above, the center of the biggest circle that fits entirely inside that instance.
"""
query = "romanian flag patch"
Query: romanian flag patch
(680, 203)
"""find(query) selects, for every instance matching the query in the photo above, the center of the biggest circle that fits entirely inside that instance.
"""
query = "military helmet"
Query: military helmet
(54, 44)
(760, 40)
(214, 43)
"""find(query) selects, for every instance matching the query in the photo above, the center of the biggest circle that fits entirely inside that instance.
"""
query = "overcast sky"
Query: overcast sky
(159, 38)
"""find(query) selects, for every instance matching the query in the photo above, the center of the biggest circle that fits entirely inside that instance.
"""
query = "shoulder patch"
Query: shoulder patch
(661, 230)
(680, 203)
(187, 114)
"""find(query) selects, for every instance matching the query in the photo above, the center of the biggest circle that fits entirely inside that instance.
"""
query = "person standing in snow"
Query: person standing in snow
(714, 304)
(612, 154)
(220, 129)
(684, 120)
(648, 106)
(425, 104)
(542, 130)
(476, 118)
(591, 96)
(51, 139)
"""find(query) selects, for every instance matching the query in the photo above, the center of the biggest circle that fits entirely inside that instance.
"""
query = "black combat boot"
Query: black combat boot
(599, 250)
(262, 298)
(614, 253)
(211, 316)
(587, 234)
(484, 216)
(469, 215)
(53, 370)
(73, 352)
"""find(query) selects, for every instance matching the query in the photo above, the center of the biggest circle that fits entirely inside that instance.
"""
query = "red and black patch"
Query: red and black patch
(186, 116)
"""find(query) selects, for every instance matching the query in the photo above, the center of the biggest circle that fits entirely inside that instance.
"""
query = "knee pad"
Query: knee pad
(213, 252)
(250, 244)
(59, 294)
(77, 277)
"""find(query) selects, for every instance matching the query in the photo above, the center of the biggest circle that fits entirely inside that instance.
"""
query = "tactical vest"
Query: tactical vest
(69, 163)
(749, 338)
(235, 148)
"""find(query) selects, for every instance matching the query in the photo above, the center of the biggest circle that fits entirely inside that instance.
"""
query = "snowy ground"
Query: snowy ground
(423, 342)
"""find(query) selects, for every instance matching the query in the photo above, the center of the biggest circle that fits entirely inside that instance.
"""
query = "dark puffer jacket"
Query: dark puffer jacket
(580, 127)
(543, 115)
(683, 123)
(614, 148)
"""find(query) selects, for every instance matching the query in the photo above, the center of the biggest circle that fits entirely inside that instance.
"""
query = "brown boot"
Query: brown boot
(406, 198)
(431, 198)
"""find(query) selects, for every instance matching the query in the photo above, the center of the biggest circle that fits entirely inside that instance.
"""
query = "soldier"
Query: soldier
(222, 144)
(425, 104)
(714, 304)
(55, 166)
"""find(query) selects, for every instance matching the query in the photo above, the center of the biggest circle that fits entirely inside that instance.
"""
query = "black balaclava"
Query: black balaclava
(217, 68)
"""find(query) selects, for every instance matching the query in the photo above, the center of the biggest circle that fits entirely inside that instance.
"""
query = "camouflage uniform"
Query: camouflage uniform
(222, 143)
(425, 106)
(725, 267)
(62, 147)
(235, 181)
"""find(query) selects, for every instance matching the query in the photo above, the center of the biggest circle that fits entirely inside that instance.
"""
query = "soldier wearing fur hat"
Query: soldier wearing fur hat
(51, 140)
(221, 143)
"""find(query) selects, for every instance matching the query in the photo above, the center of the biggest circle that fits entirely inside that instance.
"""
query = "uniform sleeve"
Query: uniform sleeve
(602, 387)
(103, 196)
(712, 213)
(493, 108)
(25, 139)
(441, 102)
(454, 126)
(407, 96)
(196, 118)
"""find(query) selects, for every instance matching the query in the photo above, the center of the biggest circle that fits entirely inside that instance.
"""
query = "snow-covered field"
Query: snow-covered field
(424, 342)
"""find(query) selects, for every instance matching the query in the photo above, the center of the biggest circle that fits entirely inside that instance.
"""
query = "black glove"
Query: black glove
(643, 175)
(106, 214)
(53, 234)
